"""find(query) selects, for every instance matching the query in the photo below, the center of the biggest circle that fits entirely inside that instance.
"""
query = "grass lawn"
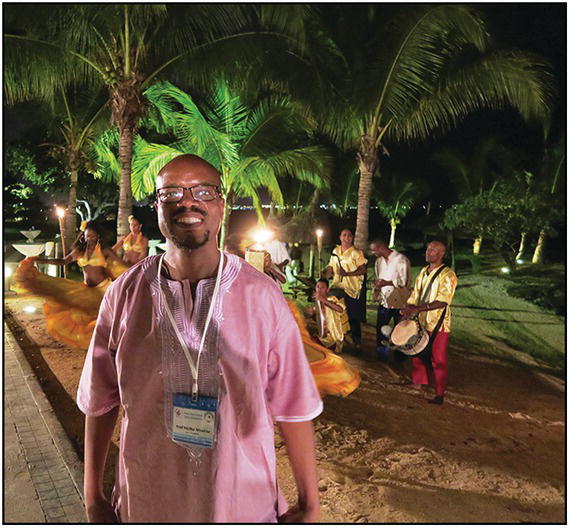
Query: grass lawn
(518, 318)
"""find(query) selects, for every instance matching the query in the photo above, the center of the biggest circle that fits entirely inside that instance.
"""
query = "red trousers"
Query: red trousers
(438, 362)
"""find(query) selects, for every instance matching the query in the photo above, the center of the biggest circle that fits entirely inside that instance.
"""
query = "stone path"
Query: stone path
(42, 474)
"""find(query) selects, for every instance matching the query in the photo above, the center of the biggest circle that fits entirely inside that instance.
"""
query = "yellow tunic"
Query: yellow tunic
(350, 260)
(335, 323)
(442, 289)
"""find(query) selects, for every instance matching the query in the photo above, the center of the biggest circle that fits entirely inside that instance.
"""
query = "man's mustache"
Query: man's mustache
(191, 209)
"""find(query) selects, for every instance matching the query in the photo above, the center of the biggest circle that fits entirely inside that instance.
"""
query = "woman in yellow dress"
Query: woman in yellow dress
(134, 245)
(71, 307)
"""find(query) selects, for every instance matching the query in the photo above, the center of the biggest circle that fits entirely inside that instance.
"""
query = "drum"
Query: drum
(409, 337)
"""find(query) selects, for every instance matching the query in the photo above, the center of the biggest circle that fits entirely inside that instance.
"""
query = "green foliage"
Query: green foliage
(251, 147)
(21, 163)
(502, 214)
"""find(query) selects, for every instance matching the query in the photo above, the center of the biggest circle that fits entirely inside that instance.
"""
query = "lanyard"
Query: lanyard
(193, 367)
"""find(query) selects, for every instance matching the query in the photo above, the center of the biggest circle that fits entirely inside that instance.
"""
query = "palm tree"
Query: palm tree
(126, 47)
(251, 147)
(397, 204)
(416, 72)
(81, 119)
(471, 174)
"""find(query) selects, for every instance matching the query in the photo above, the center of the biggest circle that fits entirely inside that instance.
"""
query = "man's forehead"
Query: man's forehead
(185, 172)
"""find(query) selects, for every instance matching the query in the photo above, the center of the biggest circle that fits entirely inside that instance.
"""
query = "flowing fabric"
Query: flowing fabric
(71, 310)
(332, 374)
(71, 307)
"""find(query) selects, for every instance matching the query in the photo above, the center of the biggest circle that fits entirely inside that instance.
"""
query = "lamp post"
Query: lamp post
(61, 216)
(319, 233)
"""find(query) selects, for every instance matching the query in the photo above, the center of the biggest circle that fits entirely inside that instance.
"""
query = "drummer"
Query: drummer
(331, 316)
(391, 289)
(429, 312)
(347, 267)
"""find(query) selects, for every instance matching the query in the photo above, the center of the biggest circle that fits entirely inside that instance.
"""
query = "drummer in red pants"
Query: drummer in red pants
(431, 299)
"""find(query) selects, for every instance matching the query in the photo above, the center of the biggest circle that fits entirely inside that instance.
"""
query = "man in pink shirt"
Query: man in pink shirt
(201, 354)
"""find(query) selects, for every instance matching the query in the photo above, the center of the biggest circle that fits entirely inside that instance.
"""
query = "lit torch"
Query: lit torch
(61, 217)
(319, 233)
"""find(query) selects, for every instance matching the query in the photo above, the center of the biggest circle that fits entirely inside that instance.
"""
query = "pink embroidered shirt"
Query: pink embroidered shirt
(253, 361)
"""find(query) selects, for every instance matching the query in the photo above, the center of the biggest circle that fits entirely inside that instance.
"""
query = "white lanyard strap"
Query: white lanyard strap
(194, 368)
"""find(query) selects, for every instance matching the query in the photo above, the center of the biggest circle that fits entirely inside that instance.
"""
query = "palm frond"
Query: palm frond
(148, 160)
(516, 79)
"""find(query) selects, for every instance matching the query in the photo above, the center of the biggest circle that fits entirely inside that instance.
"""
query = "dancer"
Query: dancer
(201, 354)
(71, 307)
(332, 374)
(431, 298)
(347, 267)
(331, 316)
(134, 245)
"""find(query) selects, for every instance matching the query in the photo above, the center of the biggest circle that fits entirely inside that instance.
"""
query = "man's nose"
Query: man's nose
(187, 198)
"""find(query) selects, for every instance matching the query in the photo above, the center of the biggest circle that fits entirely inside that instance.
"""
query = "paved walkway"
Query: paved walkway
(42, 474)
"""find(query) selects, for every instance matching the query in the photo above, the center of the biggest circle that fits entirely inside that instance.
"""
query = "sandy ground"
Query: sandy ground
(493, 453)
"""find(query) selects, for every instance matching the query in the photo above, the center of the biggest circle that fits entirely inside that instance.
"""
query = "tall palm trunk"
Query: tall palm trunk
(226, 221)
(127, 106)
(393, 226)
(125, 191)
(522, 246)
(367, 159)
(539, 250)
(71, 216)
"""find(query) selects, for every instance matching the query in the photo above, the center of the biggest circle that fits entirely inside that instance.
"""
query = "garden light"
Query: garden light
(520, 261)
(505, 270)
(29, 309)
(261, 236)
(319, 233)
(60, 212)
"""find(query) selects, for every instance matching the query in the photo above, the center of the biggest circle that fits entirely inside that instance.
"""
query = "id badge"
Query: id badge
(194, 422)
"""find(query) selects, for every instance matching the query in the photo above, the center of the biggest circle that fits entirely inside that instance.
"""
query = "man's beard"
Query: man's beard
(189, 243)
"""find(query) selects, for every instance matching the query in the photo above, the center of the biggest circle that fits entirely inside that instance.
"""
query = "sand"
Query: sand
(493, 453)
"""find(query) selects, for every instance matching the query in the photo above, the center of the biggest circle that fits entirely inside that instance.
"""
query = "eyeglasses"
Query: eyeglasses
(202, 193)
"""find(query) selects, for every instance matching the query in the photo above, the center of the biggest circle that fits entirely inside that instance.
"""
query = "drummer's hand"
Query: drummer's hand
(408, 311)
(380, 283)
(341, 272)
(267, 262)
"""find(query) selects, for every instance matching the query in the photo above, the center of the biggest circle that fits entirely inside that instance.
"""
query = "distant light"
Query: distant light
(29, 309)
(262, 235)
(319, 233)
(520, 261)
(60, 212)
(505, 270)
(8, 270)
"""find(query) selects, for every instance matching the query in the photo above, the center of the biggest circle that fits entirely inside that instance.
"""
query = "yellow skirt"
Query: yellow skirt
(332, 374)
(71, 307)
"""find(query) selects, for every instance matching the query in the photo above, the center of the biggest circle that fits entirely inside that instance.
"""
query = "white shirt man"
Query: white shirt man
(392, 286)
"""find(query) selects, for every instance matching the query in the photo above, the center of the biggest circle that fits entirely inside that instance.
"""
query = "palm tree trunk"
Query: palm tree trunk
(226, 221)
(71, 216)
(539, 250)
(367, 158)
(393, 226)
(477, 245)
(522, 246)
(125, 191)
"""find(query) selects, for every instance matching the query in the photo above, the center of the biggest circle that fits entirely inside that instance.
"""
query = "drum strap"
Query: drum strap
(425, 355)
(424, 295)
